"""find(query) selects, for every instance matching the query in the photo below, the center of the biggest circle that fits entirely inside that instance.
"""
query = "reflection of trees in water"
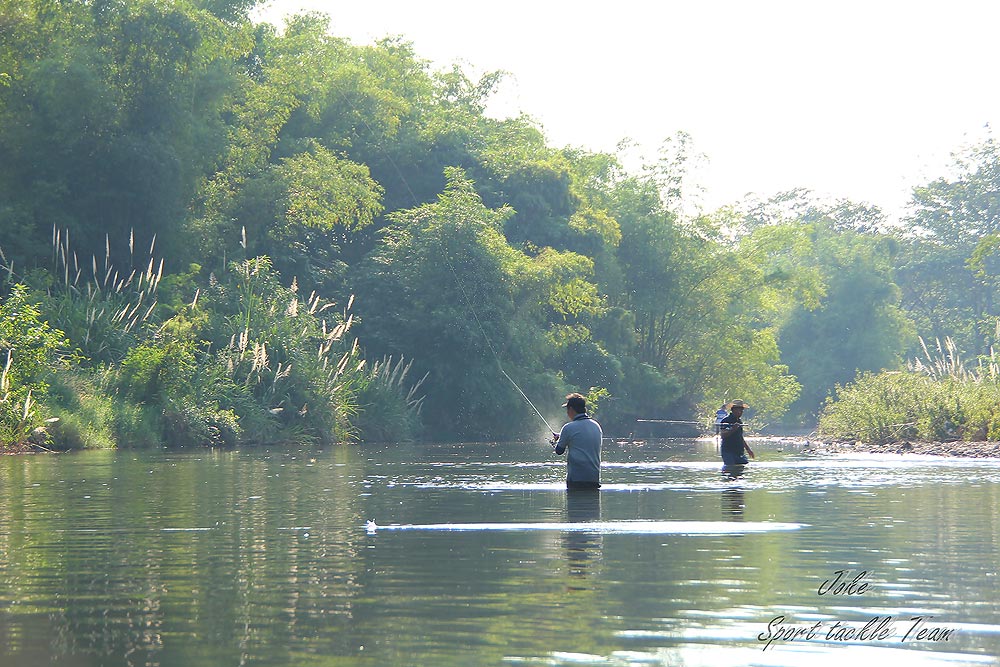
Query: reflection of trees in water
(582, 506)
(150, 553)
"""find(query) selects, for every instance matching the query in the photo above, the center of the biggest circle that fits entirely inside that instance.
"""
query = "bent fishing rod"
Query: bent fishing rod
(525, 396)
(461, 286)
(489, 343)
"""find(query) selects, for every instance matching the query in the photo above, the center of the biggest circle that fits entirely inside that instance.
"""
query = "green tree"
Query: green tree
(946, 271)
(704, 314)
(826, 275)
(320, 145)
(113, 123)
(304, 210)
(858, 327)
(447, 290)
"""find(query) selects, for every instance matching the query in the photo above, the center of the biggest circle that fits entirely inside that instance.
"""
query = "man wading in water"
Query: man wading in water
(581, 437)
(733, 443)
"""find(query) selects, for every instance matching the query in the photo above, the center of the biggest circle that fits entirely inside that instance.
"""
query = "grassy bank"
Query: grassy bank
(95, 357)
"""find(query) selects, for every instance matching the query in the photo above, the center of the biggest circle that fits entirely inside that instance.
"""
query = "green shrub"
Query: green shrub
(200, 426)
(891, 406)
(294, 357)
(85, 410)
(159, 371)
(873, 408)
(29, 352)
(138, 426)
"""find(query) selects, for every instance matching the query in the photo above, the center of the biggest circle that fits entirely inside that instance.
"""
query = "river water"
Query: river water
(474, 554)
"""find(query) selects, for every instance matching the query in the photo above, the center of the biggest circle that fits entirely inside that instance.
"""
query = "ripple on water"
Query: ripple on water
(607, 527)
(857, 473)
(177, 560)
(692, 654)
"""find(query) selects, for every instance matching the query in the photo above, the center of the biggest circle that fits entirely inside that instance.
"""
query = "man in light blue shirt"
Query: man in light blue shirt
(581, 439)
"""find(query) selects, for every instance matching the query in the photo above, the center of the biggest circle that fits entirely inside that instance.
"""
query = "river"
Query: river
(474, 554)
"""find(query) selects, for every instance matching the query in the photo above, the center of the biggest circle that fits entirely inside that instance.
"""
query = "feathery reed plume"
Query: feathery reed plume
(392, 375)
(96, 308)
(946, 362)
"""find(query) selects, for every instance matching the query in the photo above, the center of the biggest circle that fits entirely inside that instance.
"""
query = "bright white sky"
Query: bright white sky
(855, 99)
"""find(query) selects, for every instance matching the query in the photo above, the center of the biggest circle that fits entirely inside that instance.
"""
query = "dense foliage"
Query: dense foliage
(900, 405)
(224, 232)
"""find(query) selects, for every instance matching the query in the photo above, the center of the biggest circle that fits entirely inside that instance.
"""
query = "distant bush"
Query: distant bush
(293, 357)
(890, 406)
(243, 359)
(81, 400)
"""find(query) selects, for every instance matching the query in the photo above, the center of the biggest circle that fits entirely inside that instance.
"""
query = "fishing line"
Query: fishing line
(486, 337)
(458, 281)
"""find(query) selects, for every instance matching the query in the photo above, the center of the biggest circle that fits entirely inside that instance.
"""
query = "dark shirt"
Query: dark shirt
(733, 441)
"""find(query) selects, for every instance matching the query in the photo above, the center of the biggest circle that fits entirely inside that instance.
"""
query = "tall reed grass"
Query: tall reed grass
(99, 307)
(246, 359)
(390, 405)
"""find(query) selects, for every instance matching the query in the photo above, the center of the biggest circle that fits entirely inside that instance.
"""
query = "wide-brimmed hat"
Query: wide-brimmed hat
(738, 404)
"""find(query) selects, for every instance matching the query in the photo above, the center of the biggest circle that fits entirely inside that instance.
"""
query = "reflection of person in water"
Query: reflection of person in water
(582, 506)
(733, 502)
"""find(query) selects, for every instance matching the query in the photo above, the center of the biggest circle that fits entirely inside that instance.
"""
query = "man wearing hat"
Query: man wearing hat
(733, 442)
(581, 438)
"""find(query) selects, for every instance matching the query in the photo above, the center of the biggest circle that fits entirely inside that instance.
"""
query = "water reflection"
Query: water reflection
(733, 503)
(262, 559)
(581, 548)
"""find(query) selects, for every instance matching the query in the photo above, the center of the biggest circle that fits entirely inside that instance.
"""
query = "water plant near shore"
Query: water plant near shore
(389, 404)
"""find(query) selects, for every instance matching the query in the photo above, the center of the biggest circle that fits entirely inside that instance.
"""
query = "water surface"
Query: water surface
(474, 554)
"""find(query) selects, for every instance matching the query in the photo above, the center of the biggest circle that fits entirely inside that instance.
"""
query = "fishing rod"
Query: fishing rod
(489, 344)
(461, 287)
(670, 421)
(703, 422)
(544, 420)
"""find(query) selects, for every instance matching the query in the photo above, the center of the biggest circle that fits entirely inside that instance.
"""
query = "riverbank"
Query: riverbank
(28, 448)
(804, 445)
(904, 447)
